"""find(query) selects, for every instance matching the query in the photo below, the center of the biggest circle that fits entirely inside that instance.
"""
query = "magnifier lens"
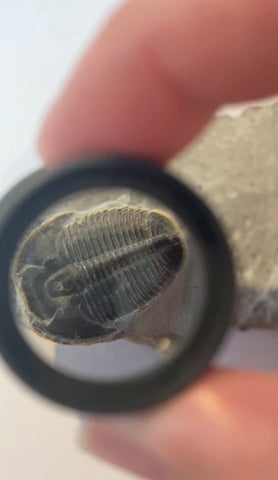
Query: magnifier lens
(108, 284)
(117, 284)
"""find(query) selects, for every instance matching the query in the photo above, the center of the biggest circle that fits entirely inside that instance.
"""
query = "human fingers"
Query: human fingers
(224, 426)
(148, 85)
(157, 72)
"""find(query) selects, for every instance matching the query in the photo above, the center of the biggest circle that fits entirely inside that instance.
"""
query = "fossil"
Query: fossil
(82, 276)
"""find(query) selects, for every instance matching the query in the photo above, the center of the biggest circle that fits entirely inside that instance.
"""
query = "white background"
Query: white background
(39, 41)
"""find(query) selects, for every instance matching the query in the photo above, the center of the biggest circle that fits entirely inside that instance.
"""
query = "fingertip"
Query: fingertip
(112, 444)
(226, 423)
(156, 74)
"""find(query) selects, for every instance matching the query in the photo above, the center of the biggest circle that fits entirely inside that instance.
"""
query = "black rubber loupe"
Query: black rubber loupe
(117, 284)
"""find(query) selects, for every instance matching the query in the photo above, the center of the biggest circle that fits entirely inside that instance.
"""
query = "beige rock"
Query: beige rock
(234, 166)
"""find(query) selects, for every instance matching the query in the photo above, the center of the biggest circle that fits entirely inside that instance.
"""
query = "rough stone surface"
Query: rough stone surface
(234, 166)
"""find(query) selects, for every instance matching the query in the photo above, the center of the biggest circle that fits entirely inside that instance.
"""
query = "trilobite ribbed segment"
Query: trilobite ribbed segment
(115, 261)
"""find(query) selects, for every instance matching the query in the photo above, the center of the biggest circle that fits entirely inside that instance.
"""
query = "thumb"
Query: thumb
(226, 426)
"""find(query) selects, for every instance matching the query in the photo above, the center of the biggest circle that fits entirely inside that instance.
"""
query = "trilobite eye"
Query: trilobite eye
(104, 266)
(52, 264)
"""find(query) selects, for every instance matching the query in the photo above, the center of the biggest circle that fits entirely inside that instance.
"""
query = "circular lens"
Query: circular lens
(107, 283)
(114, 283)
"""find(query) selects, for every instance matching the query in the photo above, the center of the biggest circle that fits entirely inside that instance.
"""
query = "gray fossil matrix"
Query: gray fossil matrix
(234, 166)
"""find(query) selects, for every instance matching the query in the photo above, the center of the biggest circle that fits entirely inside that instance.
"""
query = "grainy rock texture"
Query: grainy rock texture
(234, 166)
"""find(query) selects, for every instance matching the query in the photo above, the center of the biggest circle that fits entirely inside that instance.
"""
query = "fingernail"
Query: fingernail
(112, 445)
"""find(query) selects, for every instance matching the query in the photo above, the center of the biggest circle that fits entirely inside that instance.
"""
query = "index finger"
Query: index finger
(156, 74)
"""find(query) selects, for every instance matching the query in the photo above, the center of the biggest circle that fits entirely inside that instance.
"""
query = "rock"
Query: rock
(234, 166)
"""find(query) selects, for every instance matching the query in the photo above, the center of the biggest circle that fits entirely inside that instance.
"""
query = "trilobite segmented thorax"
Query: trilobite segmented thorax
(102, 267)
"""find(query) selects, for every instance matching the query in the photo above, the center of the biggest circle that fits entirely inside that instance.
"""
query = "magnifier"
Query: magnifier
(117, 284)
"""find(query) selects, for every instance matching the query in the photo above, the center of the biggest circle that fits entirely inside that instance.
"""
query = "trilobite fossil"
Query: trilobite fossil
(83, 275)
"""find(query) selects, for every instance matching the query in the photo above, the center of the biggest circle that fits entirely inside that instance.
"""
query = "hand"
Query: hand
(148, 85)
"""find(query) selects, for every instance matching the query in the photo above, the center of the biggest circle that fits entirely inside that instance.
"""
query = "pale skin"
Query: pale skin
(148, 85)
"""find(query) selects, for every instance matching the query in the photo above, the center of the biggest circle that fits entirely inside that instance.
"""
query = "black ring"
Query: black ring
(34, 194)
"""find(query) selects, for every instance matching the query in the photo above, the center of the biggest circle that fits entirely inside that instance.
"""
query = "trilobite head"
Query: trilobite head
(82, 277)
